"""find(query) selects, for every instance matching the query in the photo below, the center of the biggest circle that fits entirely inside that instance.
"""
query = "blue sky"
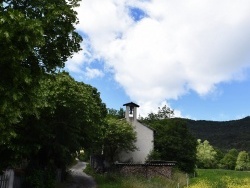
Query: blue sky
(193, 56)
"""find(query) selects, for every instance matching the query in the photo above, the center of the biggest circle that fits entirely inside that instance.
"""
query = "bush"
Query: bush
(38, 178)
(83, 157)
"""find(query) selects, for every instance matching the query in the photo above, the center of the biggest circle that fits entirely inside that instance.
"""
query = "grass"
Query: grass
(215, 178)
(206, 178)
(114, 180)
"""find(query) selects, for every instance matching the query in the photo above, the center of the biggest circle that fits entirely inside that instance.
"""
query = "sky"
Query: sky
(191, 55)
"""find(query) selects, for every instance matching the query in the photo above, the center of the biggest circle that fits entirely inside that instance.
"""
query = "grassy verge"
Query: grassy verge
(114, 180)
(213, 178)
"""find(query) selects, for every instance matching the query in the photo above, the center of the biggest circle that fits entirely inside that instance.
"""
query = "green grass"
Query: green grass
(206, 178)
(116, 181)
(215, 178)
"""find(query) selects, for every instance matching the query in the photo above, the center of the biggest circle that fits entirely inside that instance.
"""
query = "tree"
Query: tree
(229, 160)
(119, 136)
(173, 142)
(206, 155)
(116, 113)
(223, 134)
(243, 162)
(36, 37)
(219, 155)
(70, 119)
(163, 113)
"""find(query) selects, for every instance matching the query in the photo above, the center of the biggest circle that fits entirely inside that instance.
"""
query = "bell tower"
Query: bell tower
(131, 111)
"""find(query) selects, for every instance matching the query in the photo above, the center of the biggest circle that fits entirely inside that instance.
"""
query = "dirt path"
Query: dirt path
(79, 179)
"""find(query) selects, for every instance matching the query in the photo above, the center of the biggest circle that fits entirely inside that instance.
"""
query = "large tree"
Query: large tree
(206, 155)
(118, 136)
(229, 160)
(116, 113)
(173, 142)
(162, 113)
(36, 37)
(69, 119)
(243, 161)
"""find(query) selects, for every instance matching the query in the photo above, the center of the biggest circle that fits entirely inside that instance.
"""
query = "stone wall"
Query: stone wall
(146, 170)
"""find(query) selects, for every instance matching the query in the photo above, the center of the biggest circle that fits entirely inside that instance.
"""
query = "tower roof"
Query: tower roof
(131, 104)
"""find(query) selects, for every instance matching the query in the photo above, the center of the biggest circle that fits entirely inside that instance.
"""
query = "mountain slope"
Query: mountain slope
(224, 135)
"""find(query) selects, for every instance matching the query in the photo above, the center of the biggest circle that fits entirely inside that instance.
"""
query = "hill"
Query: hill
(223, 134)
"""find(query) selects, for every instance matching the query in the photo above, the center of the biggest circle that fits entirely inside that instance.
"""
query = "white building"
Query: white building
(145, 137)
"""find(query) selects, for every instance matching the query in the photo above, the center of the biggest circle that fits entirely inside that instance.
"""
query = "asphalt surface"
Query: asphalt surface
(79, 179)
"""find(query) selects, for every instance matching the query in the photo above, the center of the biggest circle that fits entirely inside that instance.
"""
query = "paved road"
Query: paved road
(79, 179)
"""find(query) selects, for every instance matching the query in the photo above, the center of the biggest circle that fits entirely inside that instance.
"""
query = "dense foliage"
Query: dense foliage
(70, 119)
(229, 159)
(118, 136)
(223, 141)
(173, 142)
(45, 116)
(224, 135)
(206, 155)
(243, 161)
(209, 157)
(35, 37)
(162, 113)
(116, 113)
(172, 139)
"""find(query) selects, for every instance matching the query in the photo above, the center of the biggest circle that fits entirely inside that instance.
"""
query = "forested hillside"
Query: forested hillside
(223, 135)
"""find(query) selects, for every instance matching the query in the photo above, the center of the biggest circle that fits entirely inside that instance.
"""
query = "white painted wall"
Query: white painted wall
(144, 143)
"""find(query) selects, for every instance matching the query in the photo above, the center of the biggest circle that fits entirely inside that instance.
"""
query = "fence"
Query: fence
(4, 180)
(7, 179)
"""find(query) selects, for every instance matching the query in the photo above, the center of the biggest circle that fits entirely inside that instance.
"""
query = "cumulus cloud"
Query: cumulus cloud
(167, 48)
(93, 73)
(84, 57)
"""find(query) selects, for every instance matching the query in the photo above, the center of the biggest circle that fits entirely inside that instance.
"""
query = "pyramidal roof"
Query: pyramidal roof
(131, 104)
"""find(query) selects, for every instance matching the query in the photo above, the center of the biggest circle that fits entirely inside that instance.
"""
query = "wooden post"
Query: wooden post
(11, 178)
(187, 179)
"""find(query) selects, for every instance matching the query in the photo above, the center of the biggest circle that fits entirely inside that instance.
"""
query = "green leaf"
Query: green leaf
(6, 34)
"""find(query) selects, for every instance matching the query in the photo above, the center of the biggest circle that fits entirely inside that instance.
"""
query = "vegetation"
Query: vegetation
(224, 135)
(206, 155)
(163, 113)
(46, 116)
(243, 161)
(173, 141)
(70, 119)
(119, 114)
(209, 155)
(115, 180)
(207, 178)
(118, 136)
(229, 160)
(36, 38)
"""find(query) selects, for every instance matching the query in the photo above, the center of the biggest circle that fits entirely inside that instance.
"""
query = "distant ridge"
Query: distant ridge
(224, 135)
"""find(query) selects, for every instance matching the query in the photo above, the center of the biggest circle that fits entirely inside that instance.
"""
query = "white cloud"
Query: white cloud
(180, 45)
(93, 73)
(75, 64)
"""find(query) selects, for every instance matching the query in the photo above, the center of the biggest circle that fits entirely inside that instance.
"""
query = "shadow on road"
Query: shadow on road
(77, 178)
